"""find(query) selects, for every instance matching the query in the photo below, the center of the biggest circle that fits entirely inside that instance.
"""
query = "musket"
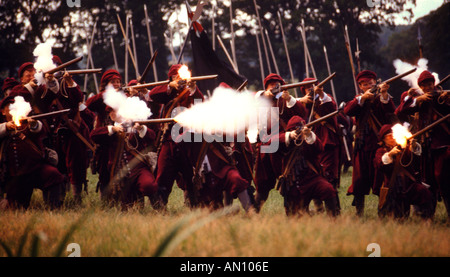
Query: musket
(64, 65)
(154, 121)
(319, 120)
(390, 80)
(311, 94)
(84, 71)
(60, 74)
(281, 88)
(46, 115)
(443, 80)
(166, 82)
(147, 68)
(321, 84)
(429, 127)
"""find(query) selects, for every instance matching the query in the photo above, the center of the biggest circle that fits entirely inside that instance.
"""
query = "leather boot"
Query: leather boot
(244, 198)
(332, 207)
(358, 202)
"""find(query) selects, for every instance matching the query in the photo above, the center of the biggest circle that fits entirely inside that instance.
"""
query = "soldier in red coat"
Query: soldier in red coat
(173, 163)
(268, 165)
(430, 106)
(370, 111)
(215, 173)
(130, 176)
(40, 96)
(7, 86)
(321, 104)
(400, 171)
(97, 105)
(302, 180)
(144, 95)
(24, 160)
(71, 135)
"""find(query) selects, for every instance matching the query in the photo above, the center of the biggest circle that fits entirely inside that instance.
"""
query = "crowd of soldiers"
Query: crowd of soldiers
(54, 154)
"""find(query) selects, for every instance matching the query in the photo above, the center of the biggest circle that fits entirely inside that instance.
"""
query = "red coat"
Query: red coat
(366, 141)
(23, 152)
(101, 136)
(429, 112)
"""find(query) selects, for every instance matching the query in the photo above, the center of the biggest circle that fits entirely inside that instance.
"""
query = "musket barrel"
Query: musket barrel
(206, 77)
(432, 125)
(321, 84)
(155, 121)
(84, 71)
(443, 80)
(325, 117)
(44, 115)
(374, 89)
(148, 85)
(166, 82)
(294, 85)
(400, 76)
(64, 65)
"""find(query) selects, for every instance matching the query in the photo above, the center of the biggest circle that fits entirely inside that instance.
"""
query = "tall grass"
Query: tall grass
(181, 232)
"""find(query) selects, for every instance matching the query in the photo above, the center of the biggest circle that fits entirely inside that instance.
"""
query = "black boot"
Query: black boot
(358, 202)
(332, 207)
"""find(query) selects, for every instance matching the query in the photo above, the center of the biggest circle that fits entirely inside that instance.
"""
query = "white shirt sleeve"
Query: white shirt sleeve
(358, 98)
(386, 159)
(82, 107)
(325, 99)
(143, 132)
(110, 131)
(291, 102)
(29, 88)
(311, 138)
(385, 101)
(413, 104)
(287, 139)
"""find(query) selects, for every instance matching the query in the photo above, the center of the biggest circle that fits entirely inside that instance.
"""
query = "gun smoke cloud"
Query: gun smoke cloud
(44, 59)
(422, 65)
(19, 109)
(226, 112)
(127, 108)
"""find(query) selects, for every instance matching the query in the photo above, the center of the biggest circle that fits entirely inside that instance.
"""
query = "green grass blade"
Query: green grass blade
(35, 244)
(62, 245)
(7, 249)
(165, 243)
(23, 239)
(176, 236)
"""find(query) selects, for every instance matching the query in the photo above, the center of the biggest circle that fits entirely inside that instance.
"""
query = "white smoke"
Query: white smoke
(227, 112)
(127, 108)
(44, 59)
(19, 109)
(401, 67)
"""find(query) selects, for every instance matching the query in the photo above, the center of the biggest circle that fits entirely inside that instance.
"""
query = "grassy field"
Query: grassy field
(111, 232)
